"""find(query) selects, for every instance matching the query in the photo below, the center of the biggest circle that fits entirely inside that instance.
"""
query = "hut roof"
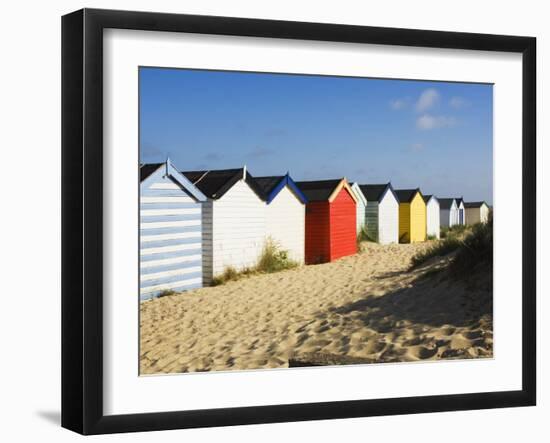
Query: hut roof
(147, 169)
(214, 184)
(319, 190)
(406, 195)
(374, 192)
(358, 193)
(269, 183)
(475, 204)
(446, 203)
(428, 197)
(270, 186)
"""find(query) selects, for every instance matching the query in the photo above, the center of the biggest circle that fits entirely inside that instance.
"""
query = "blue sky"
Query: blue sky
(433, 135)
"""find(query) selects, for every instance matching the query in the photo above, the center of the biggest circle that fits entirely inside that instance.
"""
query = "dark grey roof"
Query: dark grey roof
(214, 184)
(458, 200)
(319, 190)
(267, 184)
(446, 203)
(475, 204)
(428, 197)
(406, 195)
(147, 169)
(373, 192)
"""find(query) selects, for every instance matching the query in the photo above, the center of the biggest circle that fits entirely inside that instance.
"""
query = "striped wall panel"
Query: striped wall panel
(170, 238)
(371, 218)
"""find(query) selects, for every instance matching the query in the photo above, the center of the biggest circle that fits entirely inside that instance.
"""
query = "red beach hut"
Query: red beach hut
(330, 220)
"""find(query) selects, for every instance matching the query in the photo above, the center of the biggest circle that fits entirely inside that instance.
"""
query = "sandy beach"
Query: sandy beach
(367, 306)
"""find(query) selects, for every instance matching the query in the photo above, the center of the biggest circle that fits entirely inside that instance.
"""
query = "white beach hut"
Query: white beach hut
(432, 215)
(476, 212)
(461, 211)
(286, 213)
(170, 231)
(448, 212)
(234, 220)
(360, 207)
(381, 212)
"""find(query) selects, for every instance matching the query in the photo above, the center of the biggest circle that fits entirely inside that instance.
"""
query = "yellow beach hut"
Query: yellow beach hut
(412, 215)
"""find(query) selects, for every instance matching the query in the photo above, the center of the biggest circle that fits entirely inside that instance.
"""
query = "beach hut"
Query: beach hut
(412, 215)
(330, 220)
(234, 220)
(461, 211)
(286, 214)
(432, 216)
(360, 207)
(448, 212)
(476, 212)
(382, 213)
(170, 231)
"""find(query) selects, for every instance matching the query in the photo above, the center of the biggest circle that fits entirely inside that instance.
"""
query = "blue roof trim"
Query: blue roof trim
(184, 181)
(284, 182)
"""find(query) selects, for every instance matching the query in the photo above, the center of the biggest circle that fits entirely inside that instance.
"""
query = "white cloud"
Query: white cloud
(398, 104)
(458, 102)
(417, 147)
(427, 121)
(427, 100)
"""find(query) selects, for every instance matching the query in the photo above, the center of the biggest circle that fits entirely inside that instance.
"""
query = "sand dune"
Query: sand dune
(366, 306)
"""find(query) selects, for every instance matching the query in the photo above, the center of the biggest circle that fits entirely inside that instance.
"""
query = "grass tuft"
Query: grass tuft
(166, 293)
(363, 236)
(453, 231)
(473, 246)
(273, 259)
(476, 250)
(231, 274)
(439, 249)
(404, 238)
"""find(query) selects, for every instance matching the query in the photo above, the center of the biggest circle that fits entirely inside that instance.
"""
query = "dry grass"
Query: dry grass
(273, 259)
(473, 246)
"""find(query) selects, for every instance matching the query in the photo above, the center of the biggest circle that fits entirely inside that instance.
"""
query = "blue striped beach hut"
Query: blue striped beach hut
(170, 231)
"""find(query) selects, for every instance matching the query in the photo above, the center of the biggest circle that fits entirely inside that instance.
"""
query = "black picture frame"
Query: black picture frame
(82, 215)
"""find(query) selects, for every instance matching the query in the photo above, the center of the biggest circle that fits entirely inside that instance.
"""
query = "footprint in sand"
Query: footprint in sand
(415, 341)
(322, 328)
(447, 330)
(302, 338)
(374, 346)
(321, 343)
(472, 335)
(422, 353)
(253, 345)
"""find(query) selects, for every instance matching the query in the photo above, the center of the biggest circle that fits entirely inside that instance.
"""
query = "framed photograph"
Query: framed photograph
(269, 221)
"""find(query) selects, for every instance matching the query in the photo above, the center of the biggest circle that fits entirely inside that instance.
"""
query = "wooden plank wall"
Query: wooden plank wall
(286, 223)
(343, 236)
(317, 244)
(238, 229)
(418, 219)
(170, 237)
(388, 219)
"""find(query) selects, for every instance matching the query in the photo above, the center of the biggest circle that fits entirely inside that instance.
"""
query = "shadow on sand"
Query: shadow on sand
(432, 300)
